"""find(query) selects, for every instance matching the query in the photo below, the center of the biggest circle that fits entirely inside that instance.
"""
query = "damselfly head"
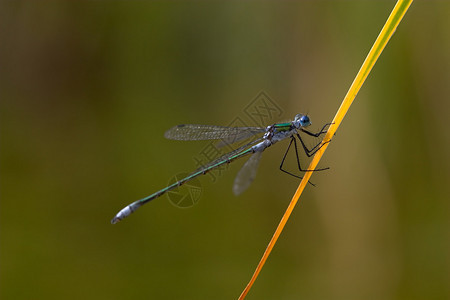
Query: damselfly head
(301, 121)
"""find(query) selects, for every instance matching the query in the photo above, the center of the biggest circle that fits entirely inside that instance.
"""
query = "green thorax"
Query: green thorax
(283, 126)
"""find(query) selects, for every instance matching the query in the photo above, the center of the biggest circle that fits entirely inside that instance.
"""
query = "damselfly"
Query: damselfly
(272, 134)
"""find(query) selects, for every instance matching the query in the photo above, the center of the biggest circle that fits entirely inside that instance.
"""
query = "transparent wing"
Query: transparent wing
(192, 132)
(228, 155)
(237, 138)
(246, 174)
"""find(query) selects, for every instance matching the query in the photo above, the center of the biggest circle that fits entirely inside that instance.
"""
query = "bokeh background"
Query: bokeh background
(87, 90)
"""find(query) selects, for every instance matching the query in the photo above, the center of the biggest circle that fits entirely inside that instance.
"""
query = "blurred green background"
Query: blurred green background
(87, 90)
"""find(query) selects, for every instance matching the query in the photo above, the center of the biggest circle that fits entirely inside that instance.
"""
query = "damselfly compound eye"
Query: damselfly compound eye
(305, 121)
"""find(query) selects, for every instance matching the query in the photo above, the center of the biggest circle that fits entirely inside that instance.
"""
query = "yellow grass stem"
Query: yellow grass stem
(388, 29)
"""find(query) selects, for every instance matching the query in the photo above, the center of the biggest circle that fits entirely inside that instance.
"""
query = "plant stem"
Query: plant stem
(388, 30)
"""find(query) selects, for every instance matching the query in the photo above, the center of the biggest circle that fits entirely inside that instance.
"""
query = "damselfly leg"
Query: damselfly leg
(313, 150)
(308, 152)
